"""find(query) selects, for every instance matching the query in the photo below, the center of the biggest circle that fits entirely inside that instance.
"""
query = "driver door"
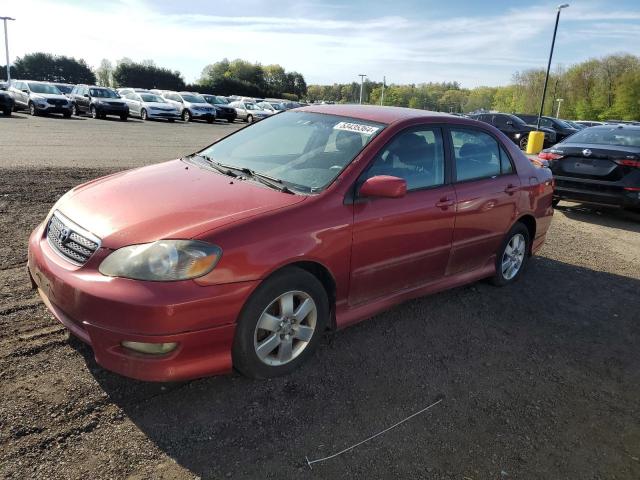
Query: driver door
(402, 243)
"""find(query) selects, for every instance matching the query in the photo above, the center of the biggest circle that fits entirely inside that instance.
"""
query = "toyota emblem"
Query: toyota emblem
(64, 234)
(586, 152)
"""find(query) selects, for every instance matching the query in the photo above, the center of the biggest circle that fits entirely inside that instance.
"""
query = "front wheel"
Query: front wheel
(281, 324)
(210, 120)
(186, 116)
(124, 117)
(74, 110)
(555, 202)
(249, 118)
(230, 120)
(7, 112)
(94, 112)
(512, 256)
(143, 114)
(32, 109)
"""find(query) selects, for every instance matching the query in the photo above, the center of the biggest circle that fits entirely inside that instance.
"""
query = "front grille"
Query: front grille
(117, 104)
(71, 241)
(56, 101)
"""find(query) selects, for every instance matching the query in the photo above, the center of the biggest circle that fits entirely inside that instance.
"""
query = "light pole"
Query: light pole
(559, 100)
(6, 45)
(361, 75)
(546, 78)
(384, 82)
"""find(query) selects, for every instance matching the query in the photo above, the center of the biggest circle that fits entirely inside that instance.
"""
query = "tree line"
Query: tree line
(602, 88)
(225, 77)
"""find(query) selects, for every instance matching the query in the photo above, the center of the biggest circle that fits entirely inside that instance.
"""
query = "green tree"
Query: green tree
(53, 68)
(146, 76)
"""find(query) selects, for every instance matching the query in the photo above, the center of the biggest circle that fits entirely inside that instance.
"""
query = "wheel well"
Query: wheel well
(529, 222)
(326, 279)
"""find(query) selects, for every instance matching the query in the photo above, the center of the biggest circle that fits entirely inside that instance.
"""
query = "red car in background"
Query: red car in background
(241, 255)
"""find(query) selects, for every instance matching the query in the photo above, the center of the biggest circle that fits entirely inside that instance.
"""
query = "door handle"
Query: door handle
(511, 189)
(445, 202)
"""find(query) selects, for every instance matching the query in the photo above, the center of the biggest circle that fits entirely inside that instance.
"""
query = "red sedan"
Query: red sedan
(241, 255)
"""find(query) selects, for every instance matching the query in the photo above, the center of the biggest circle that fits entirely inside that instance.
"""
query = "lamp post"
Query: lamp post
(6, 45)
(361, 75)
(559, 100)
(546, 78)
(384, 84)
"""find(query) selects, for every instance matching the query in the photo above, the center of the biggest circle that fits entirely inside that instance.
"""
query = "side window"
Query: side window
(417, 156)
(545, 123)
(499, 121)
(505, 163)
(477, 154)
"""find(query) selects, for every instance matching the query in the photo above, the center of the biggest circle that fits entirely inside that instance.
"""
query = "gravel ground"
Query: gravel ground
(539, 380)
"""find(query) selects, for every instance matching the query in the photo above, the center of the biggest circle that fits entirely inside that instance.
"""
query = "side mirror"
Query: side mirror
(86, 95)
(384, 186)
(24, 90)
(509, 122)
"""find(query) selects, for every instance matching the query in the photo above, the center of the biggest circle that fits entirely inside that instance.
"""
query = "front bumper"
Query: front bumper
(48, 108)
(111, 110)
(163, 115)
(201, 114)
(596, 191)
(229, 116)
(104, 311)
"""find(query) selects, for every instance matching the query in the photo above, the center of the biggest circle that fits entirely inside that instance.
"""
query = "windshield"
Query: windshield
(149, 97)
(64, 88)
(563, 124)
(193, 98)
(265, 106)
(103, 93)
(251, 106)
(625, 137)
(44, 88)
(305, 150)
(517, 121)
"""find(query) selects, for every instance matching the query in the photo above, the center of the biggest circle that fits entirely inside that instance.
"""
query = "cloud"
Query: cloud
(323, 41)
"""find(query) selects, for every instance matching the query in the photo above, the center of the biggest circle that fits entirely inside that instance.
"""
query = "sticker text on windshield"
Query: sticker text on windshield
(356, 127)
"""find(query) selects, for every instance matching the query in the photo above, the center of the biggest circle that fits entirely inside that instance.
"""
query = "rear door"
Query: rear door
(487, 189)
(400, 243)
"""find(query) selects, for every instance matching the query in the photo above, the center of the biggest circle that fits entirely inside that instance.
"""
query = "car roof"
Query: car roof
(376, 113)
(615, 126)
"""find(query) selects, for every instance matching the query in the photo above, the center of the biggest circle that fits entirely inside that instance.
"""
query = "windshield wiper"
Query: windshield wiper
(218, 166)
(272, 182)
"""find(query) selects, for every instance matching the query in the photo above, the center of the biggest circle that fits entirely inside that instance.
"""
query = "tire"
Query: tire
(230, 120)
(210, 120)
(123, 117)
(186, 116)
(32, 109)
(94, 112)
(515, 248)
(143, 114)
(524, 141)
(249, 118)
(7, 111)
(282, 344)
(171, 120)
(66, 114)
(74, 110)
(555, 202)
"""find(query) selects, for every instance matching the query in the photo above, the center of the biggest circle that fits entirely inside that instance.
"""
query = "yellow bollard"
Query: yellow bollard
(535, 142)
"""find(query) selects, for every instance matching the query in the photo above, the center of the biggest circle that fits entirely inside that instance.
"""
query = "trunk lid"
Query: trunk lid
(596, 162)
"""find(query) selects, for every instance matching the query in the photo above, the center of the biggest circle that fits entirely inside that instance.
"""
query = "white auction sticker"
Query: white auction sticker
(356, 127)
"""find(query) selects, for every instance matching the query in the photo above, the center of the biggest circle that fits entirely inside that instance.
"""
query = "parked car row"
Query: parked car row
(100, 102)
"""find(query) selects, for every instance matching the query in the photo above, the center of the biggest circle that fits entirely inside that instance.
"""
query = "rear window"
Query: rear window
(624, 137)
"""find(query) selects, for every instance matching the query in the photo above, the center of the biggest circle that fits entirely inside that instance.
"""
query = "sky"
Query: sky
(474, 42)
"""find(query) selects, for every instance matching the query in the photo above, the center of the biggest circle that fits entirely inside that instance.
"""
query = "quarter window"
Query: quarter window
(477, 155)
(417, 156)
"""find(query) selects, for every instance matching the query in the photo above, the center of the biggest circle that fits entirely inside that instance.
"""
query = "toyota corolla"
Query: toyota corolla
(241, 255)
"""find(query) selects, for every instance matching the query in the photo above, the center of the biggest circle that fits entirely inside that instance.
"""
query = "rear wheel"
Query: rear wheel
(210, 120)
(281, 324)
(524, 141)
(171, 120)
(124, 117)
(7, 112)
(66, 114)
(555, 202)
(512, 256)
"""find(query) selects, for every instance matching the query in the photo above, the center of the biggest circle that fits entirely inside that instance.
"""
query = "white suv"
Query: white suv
(192, 105)
(39, 97)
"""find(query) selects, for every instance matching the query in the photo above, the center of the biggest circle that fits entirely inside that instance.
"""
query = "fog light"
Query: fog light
(151, 348)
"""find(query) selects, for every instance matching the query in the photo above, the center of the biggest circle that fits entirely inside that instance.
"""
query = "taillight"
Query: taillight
(549, 156)
(628, 163)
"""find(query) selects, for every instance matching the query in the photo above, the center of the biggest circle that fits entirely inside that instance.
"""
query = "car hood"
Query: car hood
(175, 199)
(48, 95)
(194, 104)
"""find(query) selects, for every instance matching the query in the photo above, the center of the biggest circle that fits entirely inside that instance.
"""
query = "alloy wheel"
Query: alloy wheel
(513, 256)
(285, 328)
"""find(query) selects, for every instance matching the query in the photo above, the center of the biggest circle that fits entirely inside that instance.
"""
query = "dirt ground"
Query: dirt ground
(539, 380)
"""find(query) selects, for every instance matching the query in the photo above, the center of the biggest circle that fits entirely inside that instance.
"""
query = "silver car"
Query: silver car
(249, 111)
(192, 106)
(39, 98)
(147, 105)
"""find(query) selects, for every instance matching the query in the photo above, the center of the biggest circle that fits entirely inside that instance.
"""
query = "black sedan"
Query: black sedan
(562, 129)
(598, 165)
(6, 101)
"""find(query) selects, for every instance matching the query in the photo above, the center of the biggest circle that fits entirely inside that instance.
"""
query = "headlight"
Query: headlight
(517, 135)
(162, 261)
